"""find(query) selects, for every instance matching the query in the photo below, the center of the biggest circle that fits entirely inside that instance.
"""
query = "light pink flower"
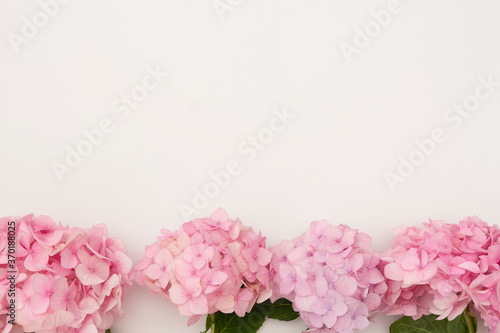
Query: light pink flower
(412, 268)
(92, 270)
(43, 291)
(189, 298)
(44, 230)
(242, 301)
(443, 268)
(329, 273)
(68, 280)
(211, 264)
(159, 269)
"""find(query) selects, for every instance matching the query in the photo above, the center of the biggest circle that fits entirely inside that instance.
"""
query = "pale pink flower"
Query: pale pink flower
(242, 301)
(329, 273)
(43, 291)
(37, 258)
(58, 322)
(44, 230)
(443, 268)
(92, 270)
(189, 298)
(256, 257)
(199, 256)
(228, 261)
(69, 280)
(412, 268)
(159, 269)
(293, 279)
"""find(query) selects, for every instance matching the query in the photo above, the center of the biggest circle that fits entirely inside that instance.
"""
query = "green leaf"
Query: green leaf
(282, 310)
(208, 323)
(464, 323)
(108, 331)
(230, 323)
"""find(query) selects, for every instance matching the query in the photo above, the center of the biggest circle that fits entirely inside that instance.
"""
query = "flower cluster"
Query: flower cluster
(441, 268)
(209, 265)
(68, 280)
(331, 276)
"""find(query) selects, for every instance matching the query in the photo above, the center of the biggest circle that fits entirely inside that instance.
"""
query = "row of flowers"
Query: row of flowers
(74, 280)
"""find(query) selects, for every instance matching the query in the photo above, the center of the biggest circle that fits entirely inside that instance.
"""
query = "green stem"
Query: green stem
(212, 329)
(468, 319)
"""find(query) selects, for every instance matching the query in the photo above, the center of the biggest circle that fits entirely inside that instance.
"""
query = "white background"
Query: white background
(353, 119)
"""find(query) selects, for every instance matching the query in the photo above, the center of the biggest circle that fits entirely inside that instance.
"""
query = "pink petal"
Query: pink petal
(163, 257)
(321, 287)
(84, 257)
(96, 272)
(329, 319)
(355, 263)
(164, 279)
(219, 215)
(346, 285)
(89, 328)
(88, 305)
(58, 319)
(375, 276)
(315, 320)
(306, 303)
(193, 320)
(198, 305)
(297, 255)
(361, 322)
(286, 287)
(319, 308)
(37, 259)
(68, 259)
(470, 266)
(101, 269)
(394, 272)
(225, 303)
(199, 262)
(219, 278)
(39, 303)
(153, 272)
(302, 288)
(286, 271)
(177, 294)
(410, 263)
(193, 286)
(340, 308)
(411, 278)
(264, 256)
(123, 262)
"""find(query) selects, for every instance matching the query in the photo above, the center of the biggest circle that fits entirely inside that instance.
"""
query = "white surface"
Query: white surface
(352, 121)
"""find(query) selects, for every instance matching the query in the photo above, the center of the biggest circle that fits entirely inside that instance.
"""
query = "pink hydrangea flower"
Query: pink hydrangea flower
(68, 280)
(331, 275)
(209, 265)
(443, 268)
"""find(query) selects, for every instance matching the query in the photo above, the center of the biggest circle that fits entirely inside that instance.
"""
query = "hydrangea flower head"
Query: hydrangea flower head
(209, 265)
(442, 268)
(68, 280)
(331, 275)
